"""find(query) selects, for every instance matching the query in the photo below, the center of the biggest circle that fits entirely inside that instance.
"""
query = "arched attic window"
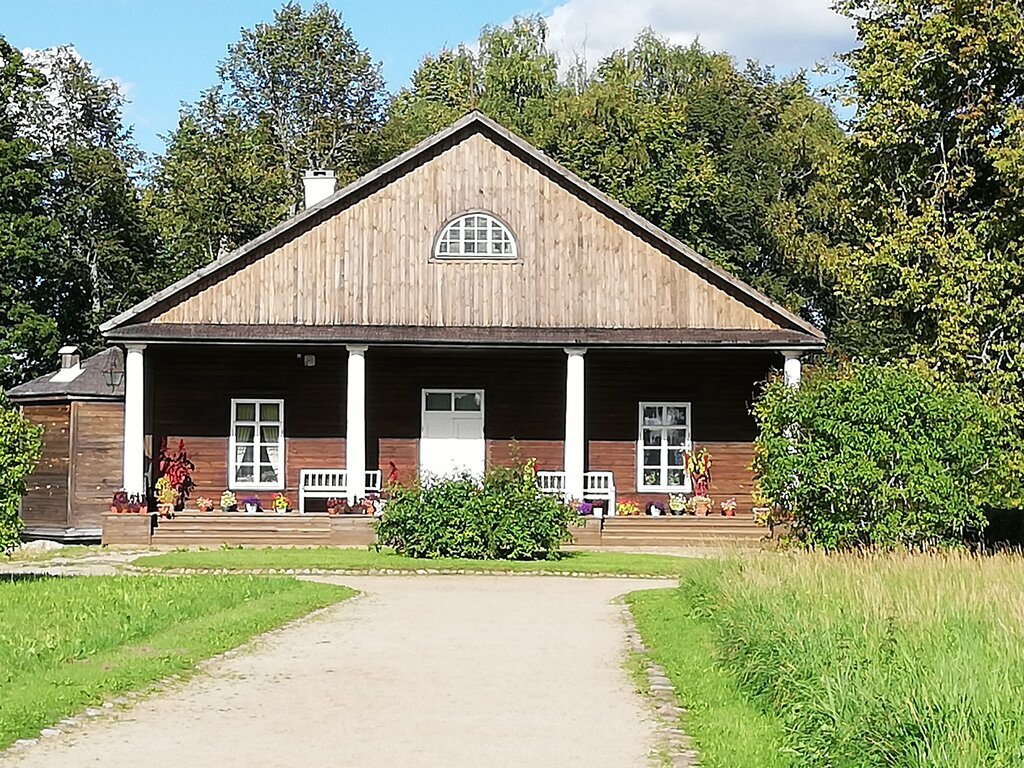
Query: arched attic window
(475, 236)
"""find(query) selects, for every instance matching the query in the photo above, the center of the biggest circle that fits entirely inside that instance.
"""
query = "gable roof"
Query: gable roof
(474, 122)
(88, 385)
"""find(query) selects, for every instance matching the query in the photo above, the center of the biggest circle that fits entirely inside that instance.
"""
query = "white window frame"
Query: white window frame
(256, 485)
(662, 487)
(452, 393)
(442, 237)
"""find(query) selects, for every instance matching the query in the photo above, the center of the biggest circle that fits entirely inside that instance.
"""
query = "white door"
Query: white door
(452, 438)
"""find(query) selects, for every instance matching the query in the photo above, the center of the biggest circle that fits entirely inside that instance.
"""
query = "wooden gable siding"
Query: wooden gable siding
(370, 264)
(46, 496)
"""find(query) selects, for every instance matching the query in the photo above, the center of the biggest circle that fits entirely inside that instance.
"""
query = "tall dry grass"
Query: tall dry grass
(880, 660)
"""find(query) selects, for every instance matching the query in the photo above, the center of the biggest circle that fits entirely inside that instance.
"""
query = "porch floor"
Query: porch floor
(312, 529)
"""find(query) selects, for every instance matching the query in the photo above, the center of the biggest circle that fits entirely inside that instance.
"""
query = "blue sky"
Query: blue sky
(164, 52)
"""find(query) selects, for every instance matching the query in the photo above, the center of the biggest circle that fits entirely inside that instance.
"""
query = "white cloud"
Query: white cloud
(789, 34)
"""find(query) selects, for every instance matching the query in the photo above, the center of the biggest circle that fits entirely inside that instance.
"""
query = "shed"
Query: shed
(82, 416)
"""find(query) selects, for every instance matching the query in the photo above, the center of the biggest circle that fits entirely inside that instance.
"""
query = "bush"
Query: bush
(884, 456)
(504, 518)
(20, 445)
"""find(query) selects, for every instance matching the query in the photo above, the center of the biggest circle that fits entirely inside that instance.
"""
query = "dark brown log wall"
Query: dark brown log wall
(46, 499)
(97, 440)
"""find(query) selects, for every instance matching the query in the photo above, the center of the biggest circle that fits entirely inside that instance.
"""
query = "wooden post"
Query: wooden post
(575, 446)
(355, 423)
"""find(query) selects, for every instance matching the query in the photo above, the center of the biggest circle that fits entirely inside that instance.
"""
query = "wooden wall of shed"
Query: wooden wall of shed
(371, 263)
(45, 503)
(97, 441)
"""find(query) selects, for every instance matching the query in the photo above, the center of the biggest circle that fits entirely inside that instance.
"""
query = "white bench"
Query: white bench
(328, 483)
(596, 485)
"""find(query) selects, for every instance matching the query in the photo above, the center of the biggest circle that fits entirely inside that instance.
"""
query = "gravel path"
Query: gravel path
(440, 671)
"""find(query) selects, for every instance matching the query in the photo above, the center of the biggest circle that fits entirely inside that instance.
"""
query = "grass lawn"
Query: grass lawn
(333, 559)
(846, 662)
(70, 643)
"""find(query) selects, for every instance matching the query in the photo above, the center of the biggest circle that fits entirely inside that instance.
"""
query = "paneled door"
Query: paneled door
(452, 435)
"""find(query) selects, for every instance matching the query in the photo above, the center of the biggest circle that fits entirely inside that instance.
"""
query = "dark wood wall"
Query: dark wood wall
(45, 503)
(97, 440)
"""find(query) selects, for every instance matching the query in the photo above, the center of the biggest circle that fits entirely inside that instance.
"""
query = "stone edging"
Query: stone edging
(675, 748)
(128, 699)
(380, 572)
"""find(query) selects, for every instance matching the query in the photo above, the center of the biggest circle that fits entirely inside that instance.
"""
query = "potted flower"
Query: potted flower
(700, 505)
(728, 508)
(676, 503)
(252, 504)
(280, 504)
(698, 467)
(627, 508)
(656, 508)
(374, 504)
(585, 508)
(177, 469)
(167, 497)
(228, 502)
(119, 504)
(204, 504)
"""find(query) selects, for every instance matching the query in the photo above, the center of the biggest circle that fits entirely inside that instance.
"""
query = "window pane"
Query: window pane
(652, 476)
(439, 401)
(470, 246)
(676, 477)
(652, 415)
(676, 437)
(652, 436)
(243, 473)
(442, 247)
(243, 453)
(467, 401)
(268, 474)
(245, 411)
(675, 458)
(270, 434)
(652, 458)
(456, 247)
(244, 433)
(675, 415)
(270, 412)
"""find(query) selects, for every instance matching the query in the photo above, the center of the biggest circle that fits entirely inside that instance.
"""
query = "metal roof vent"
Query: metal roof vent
(318, 184)
(70, 363)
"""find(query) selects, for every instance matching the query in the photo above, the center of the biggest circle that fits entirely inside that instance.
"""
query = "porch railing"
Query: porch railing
(596, 486)
(325, 483)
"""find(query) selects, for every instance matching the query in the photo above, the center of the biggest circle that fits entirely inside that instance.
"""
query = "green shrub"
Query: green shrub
(504, 518)
(865, 455)
(20, 445)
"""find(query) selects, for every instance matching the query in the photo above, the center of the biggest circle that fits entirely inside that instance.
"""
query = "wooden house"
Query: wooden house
(469, 299)
(81, 410)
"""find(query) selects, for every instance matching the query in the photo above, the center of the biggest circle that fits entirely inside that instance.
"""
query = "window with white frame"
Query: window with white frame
(256, 453)
(664, 439)
(475, 236)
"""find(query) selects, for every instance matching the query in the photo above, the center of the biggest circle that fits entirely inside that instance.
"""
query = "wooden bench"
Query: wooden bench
(330, 483)
(596, 486)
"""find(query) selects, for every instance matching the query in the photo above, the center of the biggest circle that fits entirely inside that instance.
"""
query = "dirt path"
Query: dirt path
(445, 671)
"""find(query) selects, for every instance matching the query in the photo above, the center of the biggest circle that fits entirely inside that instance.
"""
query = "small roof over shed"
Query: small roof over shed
(64, 384)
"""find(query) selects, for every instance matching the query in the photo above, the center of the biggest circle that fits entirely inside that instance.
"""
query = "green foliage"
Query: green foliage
(867, 661)
(504, 518)
(20, 446)
(936, 271)
(884, 456)
(70, 643)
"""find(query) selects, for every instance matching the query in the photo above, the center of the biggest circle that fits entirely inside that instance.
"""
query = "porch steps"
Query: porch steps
(204, 529)
(680, 531)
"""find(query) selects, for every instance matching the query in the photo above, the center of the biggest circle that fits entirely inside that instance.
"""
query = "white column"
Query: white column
(133, 461)
(355, 423)
(791, 370)
(575, 375)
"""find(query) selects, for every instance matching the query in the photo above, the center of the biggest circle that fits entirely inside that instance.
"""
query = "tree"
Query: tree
(936, 271)
(737, 164)
(293, 94)
(28, 334)
(20, 446)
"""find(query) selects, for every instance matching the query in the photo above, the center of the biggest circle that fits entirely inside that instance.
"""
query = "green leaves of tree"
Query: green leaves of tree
(20, 446)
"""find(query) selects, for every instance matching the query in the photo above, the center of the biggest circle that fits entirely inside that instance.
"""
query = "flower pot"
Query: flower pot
(729, 512)
(250, 509)
(655, 512)
(165, 510)
(701, 509)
